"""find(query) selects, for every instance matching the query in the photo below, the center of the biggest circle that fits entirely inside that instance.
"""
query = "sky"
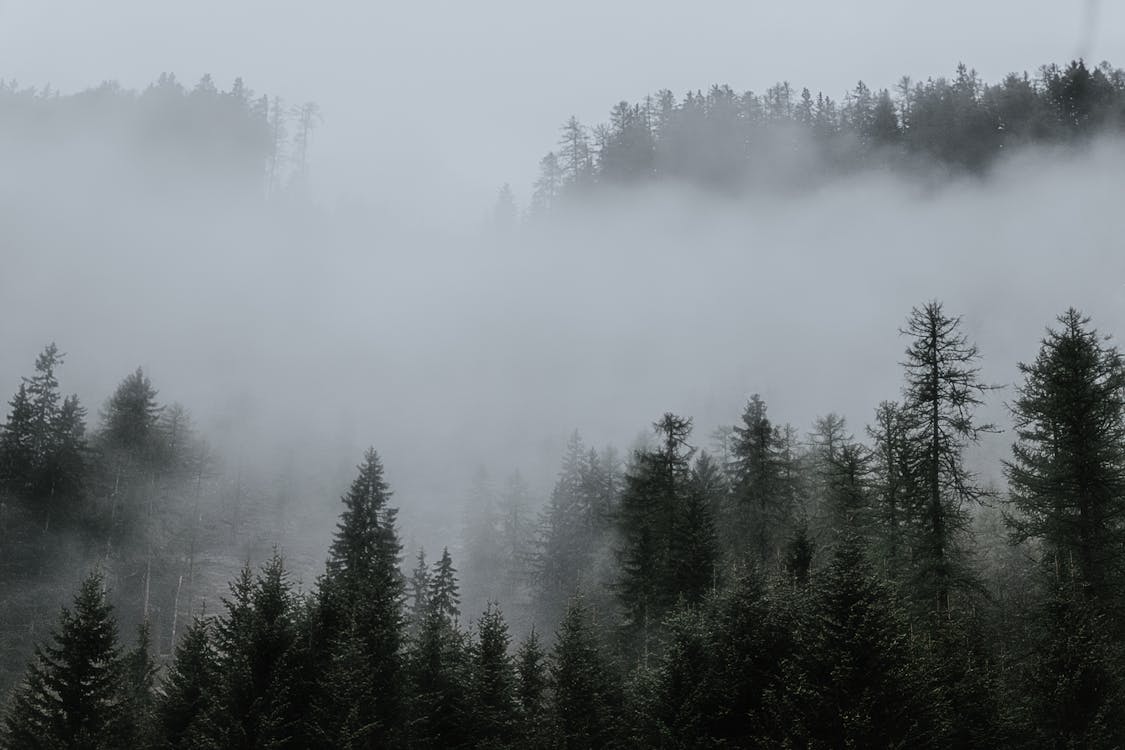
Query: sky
(439, 103)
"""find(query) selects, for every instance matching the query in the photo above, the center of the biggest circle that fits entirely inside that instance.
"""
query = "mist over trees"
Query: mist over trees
(817, 591)
(887, 583)
(787, 138)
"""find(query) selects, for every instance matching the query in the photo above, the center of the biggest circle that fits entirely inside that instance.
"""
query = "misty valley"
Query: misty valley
(763, 421)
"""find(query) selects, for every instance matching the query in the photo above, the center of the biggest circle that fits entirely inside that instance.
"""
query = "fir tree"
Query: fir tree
(187, 688)
(531, 692)
(1067, 473)
(493, 684)
(445, 597)
(72, 696)
(130, 416)
(582, 704)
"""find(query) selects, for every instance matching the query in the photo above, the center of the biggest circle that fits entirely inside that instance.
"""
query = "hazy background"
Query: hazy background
(388, 316)
(429, 107)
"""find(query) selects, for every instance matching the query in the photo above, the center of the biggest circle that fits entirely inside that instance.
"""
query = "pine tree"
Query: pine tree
(187, 689)
(419, 592)
(693, 548)
(17, 451)
(361, 608)
(760, 518)
(139, 673)
(72, 695)
(253, 707)
(445, 597)
(894, 472)
(859, 684)
(438, 672)
(493, 682)
(1067, 473)
(131, 414)
(652, 506)
(582, 703)
(943, 388)
(531, 692)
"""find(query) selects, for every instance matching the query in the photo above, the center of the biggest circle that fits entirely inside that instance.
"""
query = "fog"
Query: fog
(304, 335)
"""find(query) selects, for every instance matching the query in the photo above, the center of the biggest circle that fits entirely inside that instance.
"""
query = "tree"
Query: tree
(1067, 473)
(72, 695)
(360, 610)
(582, 703)
(252, 705)
(761, 518)
(493, 682)
(445, 598)
(186, 690)
(894, 473)
(652, 506)
(859, 685)
(438, 673)
(419, 592)
(139, 673)
(131, 414)
(943, 388)
(531, 692)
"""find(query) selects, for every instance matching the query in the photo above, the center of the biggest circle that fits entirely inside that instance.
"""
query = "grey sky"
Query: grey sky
(436, 104)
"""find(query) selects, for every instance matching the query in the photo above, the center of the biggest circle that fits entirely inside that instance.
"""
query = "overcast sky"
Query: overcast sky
(441, 102)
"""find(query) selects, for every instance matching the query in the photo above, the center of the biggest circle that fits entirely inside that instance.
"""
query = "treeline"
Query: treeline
(172, 131)
(785, 137)
(142, 495)
(778, 592)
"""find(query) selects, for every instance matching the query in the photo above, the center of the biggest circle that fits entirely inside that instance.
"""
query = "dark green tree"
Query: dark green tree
(1067, 473)
(72, 696)
(582, 699)
(943, 388)
(187, 688)
(493, 683)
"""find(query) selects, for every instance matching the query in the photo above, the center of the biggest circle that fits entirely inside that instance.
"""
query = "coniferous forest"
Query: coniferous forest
(886, 584)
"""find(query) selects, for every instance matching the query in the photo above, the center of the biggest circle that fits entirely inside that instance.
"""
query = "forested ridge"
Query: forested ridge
(789, 138)
(777, 589)
(764, 584)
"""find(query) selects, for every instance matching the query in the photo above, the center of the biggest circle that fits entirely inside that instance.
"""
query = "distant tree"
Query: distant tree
(131, 414)
(894, 473)
(419, 592)
(445, 596)
(761, 518)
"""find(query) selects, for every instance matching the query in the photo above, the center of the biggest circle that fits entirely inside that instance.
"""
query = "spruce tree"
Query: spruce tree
(493, 683)
(72, 696)
(531, 692)
(445, 599)
(361, 607)
(1067, 473)
(253, 705)
(859, 684)
(131, 413)
(582, 701)
(651, 510)
(187, 688)
(761, 517)
(139, 674)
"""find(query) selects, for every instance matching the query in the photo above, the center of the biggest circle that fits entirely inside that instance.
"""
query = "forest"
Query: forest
(764, 584)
